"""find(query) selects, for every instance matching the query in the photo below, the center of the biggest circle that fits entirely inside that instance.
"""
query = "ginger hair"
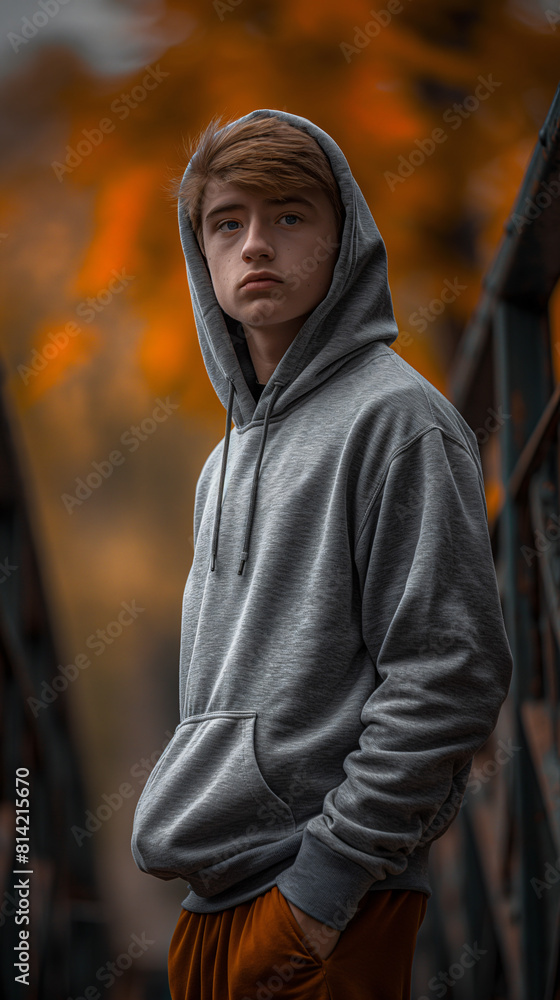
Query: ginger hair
(263, 152)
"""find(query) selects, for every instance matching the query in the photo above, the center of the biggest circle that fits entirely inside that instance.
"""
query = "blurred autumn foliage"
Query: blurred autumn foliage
(89, 238)
(378, 94)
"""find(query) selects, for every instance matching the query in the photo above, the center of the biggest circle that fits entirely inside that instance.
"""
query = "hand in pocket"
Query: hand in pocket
(319, 938)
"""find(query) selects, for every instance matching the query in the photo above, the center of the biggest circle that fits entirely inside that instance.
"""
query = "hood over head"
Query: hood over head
(356, 311)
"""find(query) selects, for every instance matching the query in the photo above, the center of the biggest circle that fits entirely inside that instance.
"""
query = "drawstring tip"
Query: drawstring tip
(213, 562)
(242, 563)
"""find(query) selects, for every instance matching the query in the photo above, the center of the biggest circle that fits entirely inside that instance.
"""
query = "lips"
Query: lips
(260, 279)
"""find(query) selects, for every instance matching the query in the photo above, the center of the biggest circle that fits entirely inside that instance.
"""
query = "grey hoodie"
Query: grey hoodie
(343, 650)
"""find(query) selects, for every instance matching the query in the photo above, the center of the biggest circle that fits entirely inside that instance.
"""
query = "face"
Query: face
(271, 260)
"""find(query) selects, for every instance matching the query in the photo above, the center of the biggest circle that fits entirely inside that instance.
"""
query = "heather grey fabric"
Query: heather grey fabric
(346, 655)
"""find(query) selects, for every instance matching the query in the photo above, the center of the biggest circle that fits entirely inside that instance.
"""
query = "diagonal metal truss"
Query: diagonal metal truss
(67, 926)
(496, 873)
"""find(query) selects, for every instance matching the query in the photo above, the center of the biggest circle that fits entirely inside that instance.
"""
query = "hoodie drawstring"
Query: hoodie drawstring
(253, 500)
(218, 513)
(245, 553)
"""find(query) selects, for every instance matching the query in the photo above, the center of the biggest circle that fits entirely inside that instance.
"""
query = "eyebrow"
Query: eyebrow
(235, 206)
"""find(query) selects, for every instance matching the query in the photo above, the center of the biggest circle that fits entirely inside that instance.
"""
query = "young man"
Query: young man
(343, 651)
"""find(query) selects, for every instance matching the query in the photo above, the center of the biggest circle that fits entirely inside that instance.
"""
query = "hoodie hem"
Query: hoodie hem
(320, 882)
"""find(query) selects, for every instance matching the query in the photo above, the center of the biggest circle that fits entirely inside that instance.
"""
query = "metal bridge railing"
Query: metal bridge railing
(39, 775)
(496, 872)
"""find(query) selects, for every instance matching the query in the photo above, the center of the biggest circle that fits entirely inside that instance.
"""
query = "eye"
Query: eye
(227, 223)
(293, 218)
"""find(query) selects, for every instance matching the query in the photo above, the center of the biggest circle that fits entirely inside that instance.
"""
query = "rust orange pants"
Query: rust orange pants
(256, 951)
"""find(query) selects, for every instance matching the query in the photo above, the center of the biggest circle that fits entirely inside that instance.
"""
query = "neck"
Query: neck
(267, 346)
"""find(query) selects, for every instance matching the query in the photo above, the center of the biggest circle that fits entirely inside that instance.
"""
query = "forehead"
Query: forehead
(219, 194)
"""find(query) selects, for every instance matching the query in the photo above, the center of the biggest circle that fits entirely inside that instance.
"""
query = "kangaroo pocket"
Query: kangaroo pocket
(206, 803)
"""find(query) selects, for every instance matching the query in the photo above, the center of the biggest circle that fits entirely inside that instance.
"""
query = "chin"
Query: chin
(265, 312)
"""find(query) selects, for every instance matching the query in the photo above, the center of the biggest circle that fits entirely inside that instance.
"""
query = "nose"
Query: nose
(257, 242)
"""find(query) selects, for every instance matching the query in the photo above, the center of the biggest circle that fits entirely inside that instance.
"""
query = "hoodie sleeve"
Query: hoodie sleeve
(433, 626)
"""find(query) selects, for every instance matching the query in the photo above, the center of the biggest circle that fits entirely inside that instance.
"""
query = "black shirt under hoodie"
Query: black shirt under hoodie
(343, 651)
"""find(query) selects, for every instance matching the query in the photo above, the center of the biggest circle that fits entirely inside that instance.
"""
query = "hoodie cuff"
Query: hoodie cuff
(324, 884)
